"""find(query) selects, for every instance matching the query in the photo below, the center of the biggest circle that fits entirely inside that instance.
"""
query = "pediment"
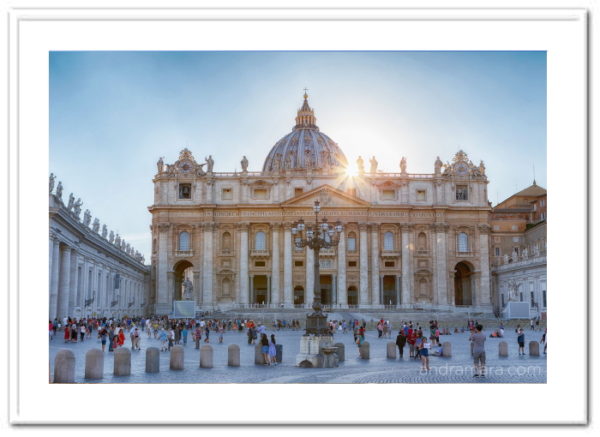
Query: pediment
(328, 196)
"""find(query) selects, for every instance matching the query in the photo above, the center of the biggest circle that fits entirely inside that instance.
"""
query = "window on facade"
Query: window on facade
(351, 263)
(521, 296)
(422, 241)
(184, 241)
(298, 263)
(388, 194)
(462, 192)
(351, 242)
(261, 193)
(390, 264)
(154, 245)
(298, 191)
(544, 298)
(516, 239)
(496, 228)
(227, 194)
(532, 303)
(388, 241)
(502, 296)
(497, 251)
(535, 206)
(260, 242)
(463, 242)
(259, 264)
(185, 191)
(514, 228)
(516, 250)
(226, 242)
(421, 195)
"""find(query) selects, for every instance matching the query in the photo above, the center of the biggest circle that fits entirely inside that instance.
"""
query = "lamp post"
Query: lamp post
(321, 235)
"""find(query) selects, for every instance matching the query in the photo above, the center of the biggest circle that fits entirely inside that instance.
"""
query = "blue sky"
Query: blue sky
(113, 114)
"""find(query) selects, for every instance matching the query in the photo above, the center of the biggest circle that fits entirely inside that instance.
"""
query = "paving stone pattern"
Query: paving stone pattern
(378, 369)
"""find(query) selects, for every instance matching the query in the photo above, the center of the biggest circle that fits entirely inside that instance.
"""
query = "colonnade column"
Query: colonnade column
(275, 265)
(243, 298)
(406, 270)
(54, 272)
(287, 266)
(364, 266)
(74, 281)
(375, 279)
(162, 290)
(207, 267)
(440, 263)
(65, 282)
(484, 289)
(310, 276)
(341, 286)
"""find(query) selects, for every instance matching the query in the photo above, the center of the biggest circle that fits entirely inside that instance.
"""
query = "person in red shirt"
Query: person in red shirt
(411, 340)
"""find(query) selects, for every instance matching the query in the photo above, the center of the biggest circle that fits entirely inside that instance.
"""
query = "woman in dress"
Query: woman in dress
(273, 350)
(264, 342)
(67, 334)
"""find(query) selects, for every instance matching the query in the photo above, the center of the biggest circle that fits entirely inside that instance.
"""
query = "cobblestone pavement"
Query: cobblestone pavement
(379, 369)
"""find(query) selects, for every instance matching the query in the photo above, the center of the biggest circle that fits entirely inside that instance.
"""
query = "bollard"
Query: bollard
(206, 356)
(64, 367)
(258, 357)
(503, 349)
(122, 362)
(279, 353)
(94, 364)
(391, 350)
(152, 360)
(176, 362)
(447, 349)
(365, 350)
(534, 349)
(233, 355)
(341, 351)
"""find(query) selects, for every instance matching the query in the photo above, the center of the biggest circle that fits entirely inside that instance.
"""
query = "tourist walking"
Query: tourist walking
(103, 335)
(197, 336)
(264, 342)
(273, 350)
(424, 353)
(478, 339)
(400, 342)
(521, 341)
(184, 335)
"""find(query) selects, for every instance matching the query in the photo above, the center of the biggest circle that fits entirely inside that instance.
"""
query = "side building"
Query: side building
(410, 241)
(92, 273)
(519, 251)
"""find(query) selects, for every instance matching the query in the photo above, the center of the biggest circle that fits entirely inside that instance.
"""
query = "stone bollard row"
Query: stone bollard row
(233, 355)
(447, 349)
(534, 349)
(365, 350)
(503, 349)
(64, 367)
(152, 360)
(258, 356)
(206, 357)
(94, 364)
(391, 350)
(176, 359)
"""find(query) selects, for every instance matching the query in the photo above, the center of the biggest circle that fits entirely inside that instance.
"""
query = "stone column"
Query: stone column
(406, 262)
(54, 272)
(162, 290)
(74, 280)
(310, 276)
(65, 282)
(484, 256)
(275, 266)
(341, 268)
(441, 253)
(364, 266)
(243, 297)
(375, 279)
(207, 267)
(287, 266)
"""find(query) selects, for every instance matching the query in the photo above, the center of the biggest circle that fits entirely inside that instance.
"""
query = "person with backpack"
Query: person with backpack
(521, 341)
(400, 342)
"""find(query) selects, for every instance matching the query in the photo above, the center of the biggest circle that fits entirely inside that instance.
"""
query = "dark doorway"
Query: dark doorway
(299, 295)
(462, 284)
(390, 297)
(352, 296)
(260, 289)
(326, 289)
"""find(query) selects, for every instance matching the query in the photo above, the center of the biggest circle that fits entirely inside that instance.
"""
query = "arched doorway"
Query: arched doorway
(182, 270)
(299, 295)
(463, 294)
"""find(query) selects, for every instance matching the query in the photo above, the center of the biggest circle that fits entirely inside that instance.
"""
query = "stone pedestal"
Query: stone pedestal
(330, 358)
(184, 309)
(391, 350)
(233, 355)
(176, 362)
(503, 349)
(152, 360)
(122, 363)
(206, 356)
(64, 367)
(94, 364)
(365, 351)
(341, 351)
(534, 349)
(311, 350)
(447, 349)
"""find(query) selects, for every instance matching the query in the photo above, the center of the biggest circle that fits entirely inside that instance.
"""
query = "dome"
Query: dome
(305, 147)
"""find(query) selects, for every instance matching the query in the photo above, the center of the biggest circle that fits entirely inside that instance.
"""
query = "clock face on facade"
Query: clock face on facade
(461, 168)
(185, 166)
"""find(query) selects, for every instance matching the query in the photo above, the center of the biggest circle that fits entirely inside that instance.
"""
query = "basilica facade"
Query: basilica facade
(409, 241)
